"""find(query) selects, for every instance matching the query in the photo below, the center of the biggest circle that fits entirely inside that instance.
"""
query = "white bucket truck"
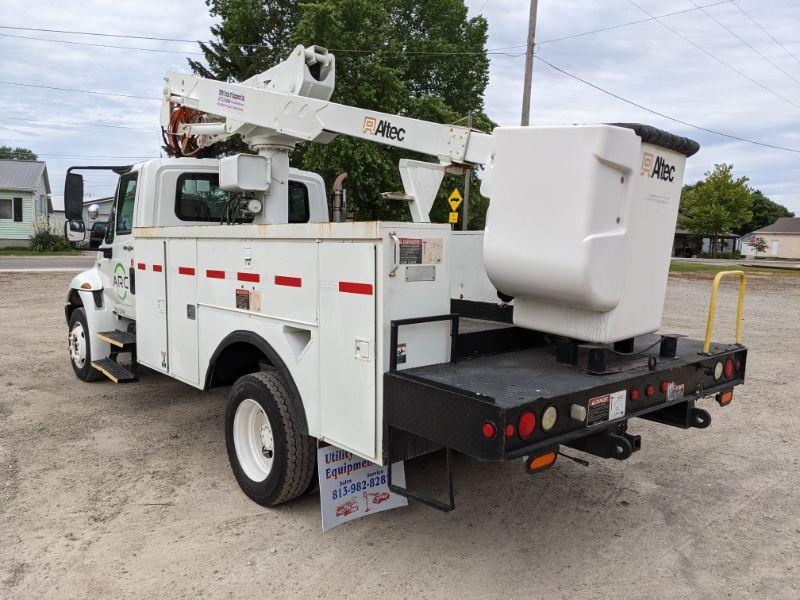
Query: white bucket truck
(391, 340)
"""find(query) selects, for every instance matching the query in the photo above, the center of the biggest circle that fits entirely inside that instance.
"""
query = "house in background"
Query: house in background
(782, 237)
(24, 191)
(687, 245)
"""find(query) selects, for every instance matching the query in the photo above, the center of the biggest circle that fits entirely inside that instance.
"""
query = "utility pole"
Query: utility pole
(466, 184)
(526, 90)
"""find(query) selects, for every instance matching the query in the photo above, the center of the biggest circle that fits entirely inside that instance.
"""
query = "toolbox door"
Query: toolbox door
(182, 309)
(151, 304)
(347, 345)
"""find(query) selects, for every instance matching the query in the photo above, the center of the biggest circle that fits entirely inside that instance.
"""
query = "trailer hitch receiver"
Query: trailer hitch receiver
(615, 442)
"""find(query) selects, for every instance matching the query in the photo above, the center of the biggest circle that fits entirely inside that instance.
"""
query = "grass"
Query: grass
(686, 267)
(23, 251)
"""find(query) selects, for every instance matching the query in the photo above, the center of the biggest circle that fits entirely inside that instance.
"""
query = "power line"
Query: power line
(87, 124)
(746, 43)
(757, 24)
(636, 22)
(492, 51)
(716, 58)
(74, 43)
(60, 89)
(660, 114)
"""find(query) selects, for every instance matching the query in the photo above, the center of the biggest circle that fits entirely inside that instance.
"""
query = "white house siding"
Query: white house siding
(13, 230)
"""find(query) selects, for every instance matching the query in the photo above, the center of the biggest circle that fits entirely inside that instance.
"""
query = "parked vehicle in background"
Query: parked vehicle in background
(97, 233)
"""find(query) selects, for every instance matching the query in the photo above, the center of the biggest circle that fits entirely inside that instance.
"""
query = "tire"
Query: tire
(272, 460)
(79, 347)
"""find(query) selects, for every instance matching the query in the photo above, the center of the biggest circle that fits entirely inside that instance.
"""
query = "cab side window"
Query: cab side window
(298, 202)
(122, 213)
(198, 197)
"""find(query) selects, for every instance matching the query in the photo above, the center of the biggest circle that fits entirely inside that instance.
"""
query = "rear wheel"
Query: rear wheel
(80, 350)
(272, 460)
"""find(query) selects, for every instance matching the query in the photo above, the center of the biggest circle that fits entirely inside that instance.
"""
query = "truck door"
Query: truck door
(118, 270)
(347, 345)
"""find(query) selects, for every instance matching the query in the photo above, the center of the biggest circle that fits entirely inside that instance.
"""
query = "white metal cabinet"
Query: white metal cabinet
(151, 304)
(182, 308)
(347, 345)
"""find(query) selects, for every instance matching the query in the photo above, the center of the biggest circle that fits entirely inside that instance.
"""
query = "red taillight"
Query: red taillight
(489, 430)
(509, 430)
(664, 387)
(725, 398)
(526, 424)
(634, 395)
(729, 368)
(649, 390)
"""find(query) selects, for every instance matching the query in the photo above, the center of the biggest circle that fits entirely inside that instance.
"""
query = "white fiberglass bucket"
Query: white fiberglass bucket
(580, 226)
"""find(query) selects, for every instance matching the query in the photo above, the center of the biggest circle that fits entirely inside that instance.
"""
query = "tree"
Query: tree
(421, 59)
(759, 244)
(717, 205)
(17, 153)
(765, 212)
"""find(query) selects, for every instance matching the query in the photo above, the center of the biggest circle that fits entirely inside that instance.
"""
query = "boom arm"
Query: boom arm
(290, 103)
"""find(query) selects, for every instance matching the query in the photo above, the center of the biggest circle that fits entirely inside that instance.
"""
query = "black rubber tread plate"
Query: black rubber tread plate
(113, 370)
(120, 339)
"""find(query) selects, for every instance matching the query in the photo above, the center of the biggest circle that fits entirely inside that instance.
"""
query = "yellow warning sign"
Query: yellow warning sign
(455, 201)
(454, 217)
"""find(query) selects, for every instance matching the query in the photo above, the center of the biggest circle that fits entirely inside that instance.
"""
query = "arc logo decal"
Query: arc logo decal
(383, 128)
(121, 282)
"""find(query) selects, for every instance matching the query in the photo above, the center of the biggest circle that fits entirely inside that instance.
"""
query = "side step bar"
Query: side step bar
(123, 340)
(120, 341)
(113, 370)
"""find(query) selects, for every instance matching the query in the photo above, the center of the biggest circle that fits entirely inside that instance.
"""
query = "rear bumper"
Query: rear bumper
(424, 413)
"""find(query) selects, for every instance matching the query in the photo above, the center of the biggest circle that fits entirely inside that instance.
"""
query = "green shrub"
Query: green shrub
(47, 237)
(730, 255)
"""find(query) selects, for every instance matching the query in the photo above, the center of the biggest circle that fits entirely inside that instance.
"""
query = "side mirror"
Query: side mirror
(75, 231)
(73, 196)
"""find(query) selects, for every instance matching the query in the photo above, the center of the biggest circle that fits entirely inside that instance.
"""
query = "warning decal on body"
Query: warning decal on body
(419, 251)
(606, 408)
(243, 299)
(410, 251)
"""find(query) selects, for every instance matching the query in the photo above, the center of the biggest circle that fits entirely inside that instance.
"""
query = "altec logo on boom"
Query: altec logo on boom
(384, 129)
(660, 169)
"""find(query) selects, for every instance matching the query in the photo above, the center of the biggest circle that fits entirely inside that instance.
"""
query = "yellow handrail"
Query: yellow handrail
(713, 308)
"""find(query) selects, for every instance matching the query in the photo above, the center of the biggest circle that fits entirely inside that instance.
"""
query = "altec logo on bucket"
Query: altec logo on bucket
(658, 169)
(384, 129)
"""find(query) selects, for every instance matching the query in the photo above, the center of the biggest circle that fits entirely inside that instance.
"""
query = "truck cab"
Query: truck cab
(175, 192)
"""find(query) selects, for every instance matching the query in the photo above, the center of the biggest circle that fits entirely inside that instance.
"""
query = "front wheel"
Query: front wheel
(272, 460)
(80, 350)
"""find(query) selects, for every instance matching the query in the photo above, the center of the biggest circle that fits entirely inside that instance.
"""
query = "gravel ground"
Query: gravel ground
(125, 491)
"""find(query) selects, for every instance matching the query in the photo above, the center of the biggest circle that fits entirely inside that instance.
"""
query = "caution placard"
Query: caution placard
(455, 201)
(453, 217)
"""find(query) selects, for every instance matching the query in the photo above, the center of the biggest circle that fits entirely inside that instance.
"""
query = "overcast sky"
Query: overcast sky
(757, 96)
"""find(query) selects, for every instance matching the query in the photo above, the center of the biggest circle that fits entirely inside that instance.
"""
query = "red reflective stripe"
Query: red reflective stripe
(349, 287)
(142, 266)
(252, 277)
(185, 270)
(215, 274)
(288, 281)
(157, 268)
(131, 262)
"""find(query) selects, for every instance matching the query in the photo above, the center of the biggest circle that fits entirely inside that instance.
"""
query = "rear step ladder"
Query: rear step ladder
(120, 341)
